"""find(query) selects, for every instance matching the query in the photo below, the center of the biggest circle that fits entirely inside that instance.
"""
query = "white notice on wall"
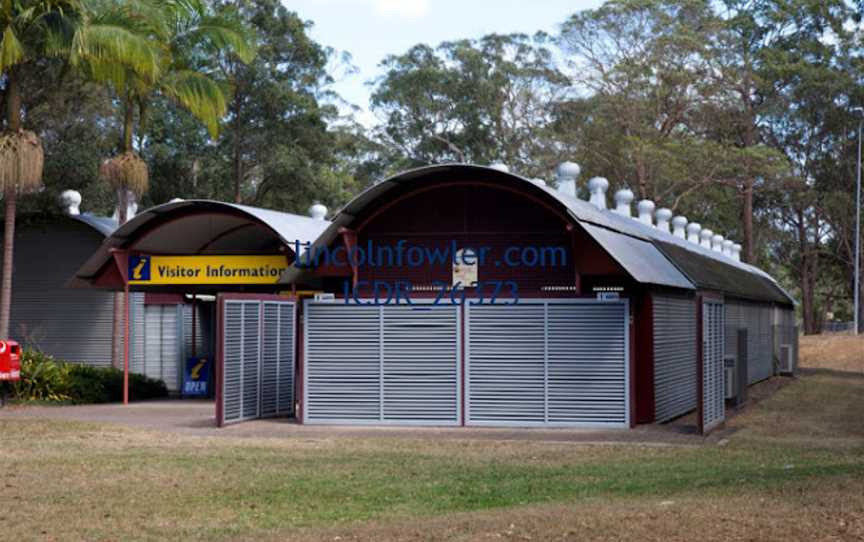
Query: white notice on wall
(465, 267)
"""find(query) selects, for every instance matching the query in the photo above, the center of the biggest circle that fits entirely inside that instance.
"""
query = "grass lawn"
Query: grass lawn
(791, 468)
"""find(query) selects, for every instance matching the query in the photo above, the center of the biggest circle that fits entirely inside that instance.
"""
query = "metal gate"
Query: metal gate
(384, 364)
(712, 404)
(256, 361)
(547, 362)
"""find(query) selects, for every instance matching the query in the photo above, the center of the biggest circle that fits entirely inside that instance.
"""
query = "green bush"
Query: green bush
(45, 379)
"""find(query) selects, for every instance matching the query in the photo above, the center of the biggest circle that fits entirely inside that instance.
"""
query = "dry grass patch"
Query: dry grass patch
(837, 352)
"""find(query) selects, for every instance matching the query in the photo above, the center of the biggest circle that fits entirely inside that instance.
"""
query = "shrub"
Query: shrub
(42, 378)
(45, 379)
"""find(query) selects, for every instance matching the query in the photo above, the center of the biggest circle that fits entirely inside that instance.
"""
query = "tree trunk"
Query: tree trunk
(13, 124)
(237, 172)
(747, 220)
(122, 207)
(8, 260)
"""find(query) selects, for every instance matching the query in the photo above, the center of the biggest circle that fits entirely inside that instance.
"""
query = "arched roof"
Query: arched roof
(203, 226)
(648, 254)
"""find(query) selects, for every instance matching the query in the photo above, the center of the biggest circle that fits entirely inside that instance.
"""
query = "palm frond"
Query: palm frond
(113, 43)
(11, 49)
(198, 93)
(225, 35)
(21, 160)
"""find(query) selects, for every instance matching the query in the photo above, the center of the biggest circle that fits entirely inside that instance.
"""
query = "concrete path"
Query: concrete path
(198, 418)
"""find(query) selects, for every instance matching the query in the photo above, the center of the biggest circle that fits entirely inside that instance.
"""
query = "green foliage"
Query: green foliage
(45, 379)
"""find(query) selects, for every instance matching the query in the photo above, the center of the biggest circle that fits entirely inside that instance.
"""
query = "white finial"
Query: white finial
(499, 166)
(736, 252)
(538, 181)
(727, 247)
(705, 237)
(567, 173)
(623, 199)
(646, 211)
(597, 187)
(678, 225)
(70, 200)
(317, 211)
(717, 243)
(663, 215)
(693, 230)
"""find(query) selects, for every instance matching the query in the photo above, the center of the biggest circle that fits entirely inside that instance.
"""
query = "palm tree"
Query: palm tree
(32, 31)
(184, 33)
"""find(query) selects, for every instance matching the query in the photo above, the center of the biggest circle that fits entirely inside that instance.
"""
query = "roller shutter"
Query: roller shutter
(713, 402)
(547, 363)
(395, 364)
(675, 356)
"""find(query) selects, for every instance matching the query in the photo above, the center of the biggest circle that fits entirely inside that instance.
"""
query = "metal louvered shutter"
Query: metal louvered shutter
(506, 367)
(342, 363)
(760, 358)
(420, 364)
(162, 344)
(713, 402)
(588, 369)
(547, 363)
(250, 359)
(675, 356)
(392, 364)
(277, 359)
(232, 370)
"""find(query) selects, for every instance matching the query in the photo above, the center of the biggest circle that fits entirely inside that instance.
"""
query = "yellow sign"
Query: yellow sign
(161, 270)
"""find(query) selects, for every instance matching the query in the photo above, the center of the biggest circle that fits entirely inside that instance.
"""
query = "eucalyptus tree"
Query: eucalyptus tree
(36, 32)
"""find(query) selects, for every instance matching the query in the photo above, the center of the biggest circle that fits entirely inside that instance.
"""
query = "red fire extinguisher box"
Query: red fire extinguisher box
(10, 360)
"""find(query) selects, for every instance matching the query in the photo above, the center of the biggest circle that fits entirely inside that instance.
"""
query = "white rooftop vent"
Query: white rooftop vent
(70, 200)
(646, 211)
(499, 166)
(176, 200)
(705, 236)
(567, 173)
(597, 187)
(540, 182)
(318, 211)
(693, 230)
(736, 252)
(623, 199)
(727, 247)
(678, 225)
(663, 215)
(717, 243)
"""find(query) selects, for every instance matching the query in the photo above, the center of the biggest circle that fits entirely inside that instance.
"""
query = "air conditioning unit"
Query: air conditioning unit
(729, 381)
(787, 359)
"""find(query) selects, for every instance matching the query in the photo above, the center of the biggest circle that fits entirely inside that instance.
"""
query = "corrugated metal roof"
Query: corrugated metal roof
(287, 227)
(648, 254)
(639, 258)
(103, 224)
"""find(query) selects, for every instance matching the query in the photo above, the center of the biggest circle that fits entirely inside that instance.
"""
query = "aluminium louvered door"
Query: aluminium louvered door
(713, 397)
(587, 346)
(420, 364)
(241, 360)
(506, 364)
(760, 362)
(556, 363)
(675, 356)
(277, 359)
(342, 363)
(232, 368)
(162, 344)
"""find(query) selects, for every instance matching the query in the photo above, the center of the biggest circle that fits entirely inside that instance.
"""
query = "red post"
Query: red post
(126, 343)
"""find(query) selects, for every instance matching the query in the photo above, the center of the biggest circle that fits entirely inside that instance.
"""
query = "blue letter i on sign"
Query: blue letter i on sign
(139, 267)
